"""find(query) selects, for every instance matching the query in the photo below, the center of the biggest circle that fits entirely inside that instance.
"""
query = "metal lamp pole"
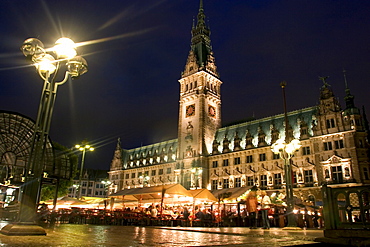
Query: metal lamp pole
(107, 184)
(47, 62)
(286, 149)
(83, 147)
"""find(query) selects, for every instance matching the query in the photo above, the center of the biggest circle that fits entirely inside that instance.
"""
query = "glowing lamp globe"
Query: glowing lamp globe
(65, 48)
(77, 66)
(45, 64)
(32, 46)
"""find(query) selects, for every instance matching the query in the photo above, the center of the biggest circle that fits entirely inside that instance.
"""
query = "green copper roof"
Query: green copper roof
(200, 41)
(264, 125)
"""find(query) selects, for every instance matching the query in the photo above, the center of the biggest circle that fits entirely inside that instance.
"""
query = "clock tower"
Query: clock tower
(200, 106)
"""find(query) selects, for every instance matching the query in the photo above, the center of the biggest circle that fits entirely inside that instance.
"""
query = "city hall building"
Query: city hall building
(335, 148)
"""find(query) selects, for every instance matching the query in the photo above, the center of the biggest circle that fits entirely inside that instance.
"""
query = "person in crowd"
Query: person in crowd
(199, 215)
(185, 216)
(154, 211)
(208, 217)
(265, 206)
(186, 213)
(244, 215)
(251, 204)
(43, 212)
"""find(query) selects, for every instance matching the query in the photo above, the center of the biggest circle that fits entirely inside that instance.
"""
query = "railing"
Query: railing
(346, 207)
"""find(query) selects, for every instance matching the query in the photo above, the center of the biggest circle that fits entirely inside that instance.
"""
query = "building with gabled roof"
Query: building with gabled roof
(335, 148)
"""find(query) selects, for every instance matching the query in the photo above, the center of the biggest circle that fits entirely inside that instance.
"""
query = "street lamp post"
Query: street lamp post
(107, 185)
(75, 188)
(83, 147)
(286, 149)
(48, 62)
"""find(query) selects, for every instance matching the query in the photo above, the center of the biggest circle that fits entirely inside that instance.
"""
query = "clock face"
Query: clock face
(211, 111)
(190, 110)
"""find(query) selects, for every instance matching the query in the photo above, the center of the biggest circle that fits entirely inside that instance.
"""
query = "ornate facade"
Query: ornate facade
(205, 155)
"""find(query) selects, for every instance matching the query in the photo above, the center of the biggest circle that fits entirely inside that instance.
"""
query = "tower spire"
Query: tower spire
(201, 55)
(349, 98)
(201, 42)
(201, 15)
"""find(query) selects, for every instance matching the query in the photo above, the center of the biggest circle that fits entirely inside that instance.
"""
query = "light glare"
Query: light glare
(65, 48)
(46, 64)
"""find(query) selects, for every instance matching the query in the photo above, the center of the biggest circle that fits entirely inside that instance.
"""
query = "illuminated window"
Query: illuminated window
(308, 176)
(328, 146)
(214, 184)
(263, 180)
(215, 164)
(226, 183)
(277, 178)
(306, 150)
(249, 159)
(263, 157)
(339, 144)
(337, 174)
(237, 161)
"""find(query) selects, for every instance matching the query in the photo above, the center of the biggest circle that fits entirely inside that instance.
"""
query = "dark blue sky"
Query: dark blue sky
(131, 90)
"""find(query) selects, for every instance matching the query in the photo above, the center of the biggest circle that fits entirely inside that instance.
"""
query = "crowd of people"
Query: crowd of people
(186, 215)
(256, 210)
(154, 214)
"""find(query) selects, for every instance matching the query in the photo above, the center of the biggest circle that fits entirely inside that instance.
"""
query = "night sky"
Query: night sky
(131, 90)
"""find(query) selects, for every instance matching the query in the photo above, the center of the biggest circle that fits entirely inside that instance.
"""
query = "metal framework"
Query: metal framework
(16, 133)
